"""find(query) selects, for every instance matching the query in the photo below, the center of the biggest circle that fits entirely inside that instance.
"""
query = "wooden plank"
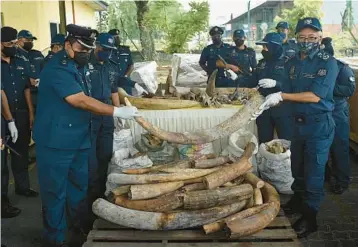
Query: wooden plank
(218, 244)
(280, 221)
(180, 235)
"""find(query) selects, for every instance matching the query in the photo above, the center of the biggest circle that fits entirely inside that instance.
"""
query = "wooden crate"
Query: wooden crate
(105, 234)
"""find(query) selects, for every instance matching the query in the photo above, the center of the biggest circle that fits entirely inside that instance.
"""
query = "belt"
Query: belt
(309, 119)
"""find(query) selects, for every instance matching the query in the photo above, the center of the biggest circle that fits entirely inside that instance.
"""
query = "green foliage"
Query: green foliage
(184, 28)
(341, 42)
(301, 9)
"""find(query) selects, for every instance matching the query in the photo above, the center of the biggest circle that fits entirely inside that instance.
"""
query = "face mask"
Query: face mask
(9, 51)
(307, 47)
(239, 42)
(283, 35)
(117, 41)
(266, 54)
(28, 46)
(216, 41)
(103, 55)
(81, 58)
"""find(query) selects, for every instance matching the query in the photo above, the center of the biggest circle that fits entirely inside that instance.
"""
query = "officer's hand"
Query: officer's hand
(267, 83)
(126, 112)
(233, 75)
(13, 131)
(140, 89)
(271, 100)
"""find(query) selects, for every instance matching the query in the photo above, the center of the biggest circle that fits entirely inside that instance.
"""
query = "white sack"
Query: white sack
(145, 74)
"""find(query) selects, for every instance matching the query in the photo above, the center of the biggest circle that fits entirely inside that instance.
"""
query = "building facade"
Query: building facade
(42, 18)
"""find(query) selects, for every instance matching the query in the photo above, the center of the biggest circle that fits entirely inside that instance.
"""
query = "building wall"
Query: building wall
(36, 17)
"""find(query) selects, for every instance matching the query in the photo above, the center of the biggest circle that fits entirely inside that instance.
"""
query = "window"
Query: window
(54, 29)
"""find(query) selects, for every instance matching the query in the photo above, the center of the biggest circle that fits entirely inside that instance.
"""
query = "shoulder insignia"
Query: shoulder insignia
(352, 79)
(323, 55)
(64, 61)
(90, 66)
(322, 72)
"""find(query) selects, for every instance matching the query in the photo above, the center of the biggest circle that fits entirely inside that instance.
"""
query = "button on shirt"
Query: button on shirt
(102, 78)
(245, 59)
(58, 124)
(123, 58)
(210, 54)
(15, 80)
(317, 73)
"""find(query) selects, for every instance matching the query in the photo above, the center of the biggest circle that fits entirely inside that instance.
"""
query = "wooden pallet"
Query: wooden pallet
(105, 234)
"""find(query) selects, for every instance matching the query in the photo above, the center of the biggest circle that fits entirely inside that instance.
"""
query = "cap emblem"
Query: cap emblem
(308, 21)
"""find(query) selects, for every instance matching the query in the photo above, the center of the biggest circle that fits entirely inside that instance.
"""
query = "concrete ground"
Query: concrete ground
(338, 218)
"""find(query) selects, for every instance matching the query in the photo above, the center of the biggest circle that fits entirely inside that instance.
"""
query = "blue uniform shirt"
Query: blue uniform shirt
(345, 85)
(245, 59)
(316, 73)
(123, 57)
(14, 80)
(210, 54)
(58, 124)
(102, 78)
(47, 58)
(290, 49)
(36, 58)
(24, 55)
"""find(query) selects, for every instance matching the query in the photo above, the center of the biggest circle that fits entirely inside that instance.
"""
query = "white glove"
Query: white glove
(37, 82)
(233, 75)
(126, 112)
(267, 83)
(270, 101)
(140, 89)
(13, 131)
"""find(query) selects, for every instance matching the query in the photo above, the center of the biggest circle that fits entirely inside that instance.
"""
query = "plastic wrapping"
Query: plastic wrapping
(145, 74)
(276, 168)
(162, 154)
(122, 139)
(192, 151)
(237, 143)
(187, 72)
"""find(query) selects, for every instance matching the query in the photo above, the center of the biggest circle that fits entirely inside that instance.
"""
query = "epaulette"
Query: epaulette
(124, 47)
(342, 62)
(64, 61)
(22, 57)
(323, 55)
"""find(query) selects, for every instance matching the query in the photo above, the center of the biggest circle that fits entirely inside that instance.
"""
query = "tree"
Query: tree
(186, 26)
(347, 18)
(301, 9)
(145, 34)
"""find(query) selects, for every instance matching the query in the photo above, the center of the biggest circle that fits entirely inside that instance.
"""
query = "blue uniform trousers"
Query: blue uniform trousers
(63, 179)
(4, 168)
(100, 155)
(341, 170)
(266, 124)
(312, 138)
(19, 164)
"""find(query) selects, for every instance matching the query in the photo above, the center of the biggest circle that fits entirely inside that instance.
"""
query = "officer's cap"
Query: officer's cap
(239, 33)
(58, 39)
(83, 35)
(105, 40)
(328, 47)
(310, 22)
(274, 38)
(282, 24)
(26, 34)
(114, 32)
(216, 30)
(8, 34)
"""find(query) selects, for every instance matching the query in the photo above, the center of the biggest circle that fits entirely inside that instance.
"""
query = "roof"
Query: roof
(266, 4)
(97, 5)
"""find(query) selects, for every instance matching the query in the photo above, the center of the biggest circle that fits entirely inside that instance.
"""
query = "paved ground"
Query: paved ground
(338, 219)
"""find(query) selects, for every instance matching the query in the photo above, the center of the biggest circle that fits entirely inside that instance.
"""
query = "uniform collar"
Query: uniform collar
(313, 54)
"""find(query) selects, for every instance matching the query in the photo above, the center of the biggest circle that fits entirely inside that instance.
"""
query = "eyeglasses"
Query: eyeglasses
(305, 39)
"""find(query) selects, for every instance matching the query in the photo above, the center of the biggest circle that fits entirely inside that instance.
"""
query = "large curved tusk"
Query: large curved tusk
(226, 128)
(210, 87)
(162, 221)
